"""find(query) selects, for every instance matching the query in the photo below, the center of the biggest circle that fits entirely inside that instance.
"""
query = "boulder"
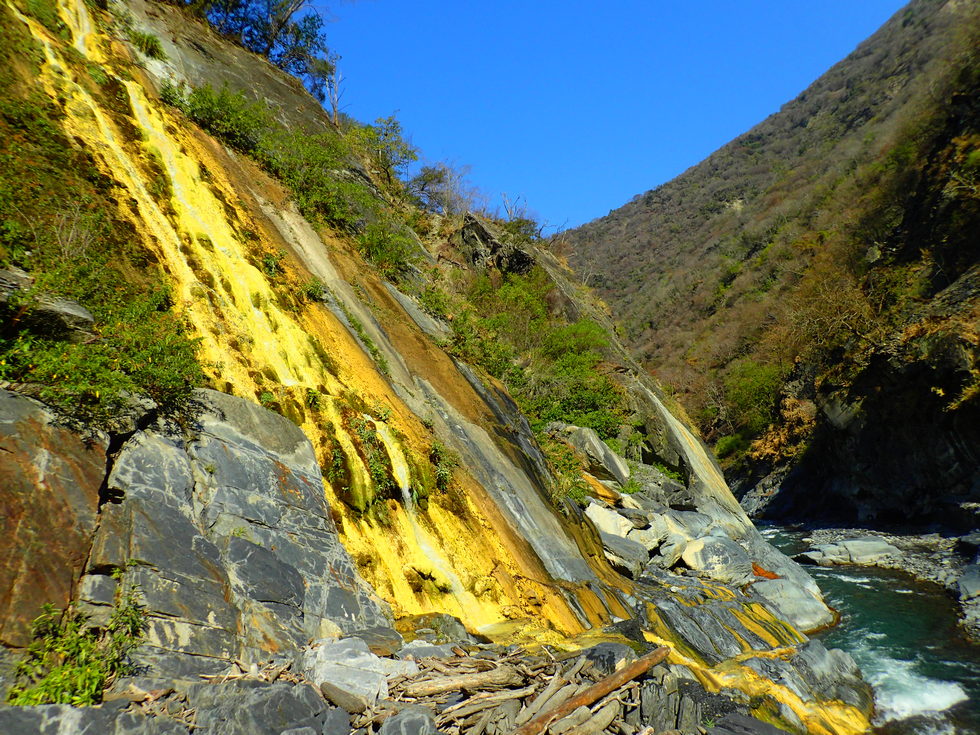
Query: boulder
(410, 721)
(867, 551)
(349, 675)
(381, 640)
(252, 707)
(686, 523)
(649, 538)
(969, 582)
(422, 649)
(481, 247)
(795, 604)
(670, 551)
(627, 555)
(719, 558)
(433, 628)
(600, 461)
(608, 521)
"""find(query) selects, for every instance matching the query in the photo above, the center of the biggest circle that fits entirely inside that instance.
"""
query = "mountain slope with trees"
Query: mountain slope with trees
(810, 290)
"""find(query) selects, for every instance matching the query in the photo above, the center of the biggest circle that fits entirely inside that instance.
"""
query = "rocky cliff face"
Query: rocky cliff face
(250, 531)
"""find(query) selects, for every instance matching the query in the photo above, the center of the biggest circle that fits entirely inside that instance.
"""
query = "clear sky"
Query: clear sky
(578, 106)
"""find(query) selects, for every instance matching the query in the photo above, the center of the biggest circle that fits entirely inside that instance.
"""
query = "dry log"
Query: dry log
(536, 704)
(501, 676)
(596, 691)
(598, 722)
(483, 701)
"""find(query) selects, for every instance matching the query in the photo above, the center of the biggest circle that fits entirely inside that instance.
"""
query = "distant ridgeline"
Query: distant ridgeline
(810, 291)
(258, 392)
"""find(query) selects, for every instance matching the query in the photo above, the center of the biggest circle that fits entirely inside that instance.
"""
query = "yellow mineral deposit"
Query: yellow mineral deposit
(252, 341)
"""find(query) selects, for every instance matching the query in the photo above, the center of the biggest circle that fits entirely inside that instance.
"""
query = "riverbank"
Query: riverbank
(903, 633)
(946, 561)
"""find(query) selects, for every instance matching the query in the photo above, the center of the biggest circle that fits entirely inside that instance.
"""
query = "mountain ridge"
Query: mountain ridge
(785, 274)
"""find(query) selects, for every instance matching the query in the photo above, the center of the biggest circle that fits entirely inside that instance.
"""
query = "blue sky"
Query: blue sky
(576, 107)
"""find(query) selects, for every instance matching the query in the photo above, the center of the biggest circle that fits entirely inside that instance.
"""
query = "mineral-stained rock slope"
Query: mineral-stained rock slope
(384, 490)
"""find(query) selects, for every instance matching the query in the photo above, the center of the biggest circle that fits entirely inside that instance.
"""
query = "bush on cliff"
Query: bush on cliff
(72, 662)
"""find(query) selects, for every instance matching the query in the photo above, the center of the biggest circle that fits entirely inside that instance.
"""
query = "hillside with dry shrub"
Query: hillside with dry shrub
(810, 290)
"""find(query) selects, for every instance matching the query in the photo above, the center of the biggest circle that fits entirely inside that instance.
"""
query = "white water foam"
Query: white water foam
(900, 691)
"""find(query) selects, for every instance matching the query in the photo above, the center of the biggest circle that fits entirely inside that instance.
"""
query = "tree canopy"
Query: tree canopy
(287, 32)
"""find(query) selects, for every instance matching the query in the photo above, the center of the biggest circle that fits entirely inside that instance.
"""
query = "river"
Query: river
(903, 634)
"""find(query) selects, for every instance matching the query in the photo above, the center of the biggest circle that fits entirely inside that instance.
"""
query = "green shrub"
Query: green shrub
(445, 461)
(70, 662)
(148, 44)
(390, 248)
(173, 94)
(313, 289)
(271, 263)
(731, 444)
(230, 116)
(566, 470)
(752, 390)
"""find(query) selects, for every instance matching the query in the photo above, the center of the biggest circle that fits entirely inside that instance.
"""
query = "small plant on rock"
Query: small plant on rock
(71, 662)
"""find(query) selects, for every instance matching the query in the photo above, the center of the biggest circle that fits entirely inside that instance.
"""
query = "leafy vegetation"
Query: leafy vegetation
(287, 32)
(315, 167)
(58, 222)
(148, 44)
(445, 461)
(72, 662)
(549, 365)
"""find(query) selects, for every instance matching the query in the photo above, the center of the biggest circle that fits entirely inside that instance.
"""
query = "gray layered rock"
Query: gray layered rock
(719, 558)
(796, 604)
(52, 315)
(227, 534)
(851, 551)
(600, 461)
(969, 582)
(256, 708)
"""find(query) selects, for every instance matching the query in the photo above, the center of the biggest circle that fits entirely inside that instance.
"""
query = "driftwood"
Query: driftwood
(597, 691)
(491, 692)
(500, 676)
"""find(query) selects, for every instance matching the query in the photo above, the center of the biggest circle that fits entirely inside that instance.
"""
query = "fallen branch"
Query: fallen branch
(596, 691)
(502, 676)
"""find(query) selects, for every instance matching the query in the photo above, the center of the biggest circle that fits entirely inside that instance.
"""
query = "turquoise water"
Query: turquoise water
(903, 634)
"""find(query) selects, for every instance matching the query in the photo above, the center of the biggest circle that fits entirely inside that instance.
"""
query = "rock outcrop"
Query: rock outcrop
(51, 478)
(224, 528)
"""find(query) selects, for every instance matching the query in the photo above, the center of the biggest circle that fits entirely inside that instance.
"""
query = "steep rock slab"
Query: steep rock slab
(49, 497)
(225, 529)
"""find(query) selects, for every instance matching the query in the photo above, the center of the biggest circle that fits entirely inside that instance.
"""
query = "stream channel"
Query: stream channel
(904, 636)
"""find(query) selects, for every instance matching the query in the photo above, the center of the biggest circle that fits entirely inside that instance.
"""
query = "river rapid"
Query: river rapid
(904, 636)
